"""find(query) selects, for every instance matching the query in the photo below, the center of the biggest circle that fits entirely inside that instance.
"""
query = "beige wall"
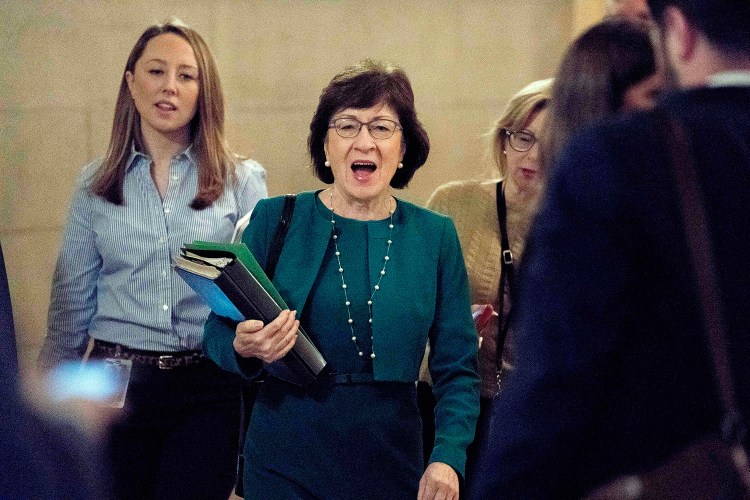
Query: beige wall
(60, 65)
(586, 13)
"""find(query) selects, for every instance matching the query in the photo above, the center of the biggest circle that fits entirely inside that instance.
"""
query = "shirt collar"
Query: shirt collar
(730, 79)
(137, 156)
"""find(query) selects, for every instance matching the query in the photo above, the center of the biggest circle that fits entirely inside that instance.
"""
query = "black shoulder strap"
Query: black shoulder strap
(277, 243)
(506, 255)
(506, 272)
(696, 230)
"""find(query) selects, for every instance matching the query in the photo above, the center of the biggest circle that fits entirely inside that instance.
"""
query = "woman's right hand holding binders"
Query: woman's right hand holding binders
(270, 342)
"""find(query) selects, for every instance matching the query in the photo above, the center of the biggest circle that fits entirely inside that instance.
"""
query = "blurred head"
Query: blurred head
(610, 68)
(725, 23)
(201, 114)
(519, 113)
(633, 9)
(373, 89)
(702, 37)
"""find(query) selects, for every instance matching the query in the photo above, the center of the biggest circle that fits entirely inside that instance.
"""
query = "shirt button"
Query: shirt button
(163, 273)
(165, 307)
(167, 210)
(175, 177)
(161, 240)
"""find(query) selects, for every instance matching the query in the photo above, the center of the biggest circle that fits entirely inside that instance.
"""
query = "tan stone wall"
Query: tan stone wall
(586, 13)
(61, 61)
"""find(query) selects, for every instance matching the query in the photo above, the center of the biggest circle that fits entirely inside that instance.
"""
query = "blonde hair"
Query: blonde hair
(529, 100)
(215, 162)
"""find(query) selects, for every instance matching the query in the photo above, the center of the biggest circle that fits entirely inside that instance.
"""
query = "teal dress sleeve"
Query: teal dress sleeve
(453, 356)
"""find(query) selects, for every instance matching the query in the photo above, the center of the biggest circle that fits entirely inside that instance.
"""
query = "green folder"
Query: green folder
(234, 285)
(241, 252)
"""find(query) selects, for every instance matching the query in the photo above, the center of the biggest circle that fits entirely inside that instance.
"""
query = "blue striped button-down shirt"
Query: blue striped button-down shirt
(114, 280)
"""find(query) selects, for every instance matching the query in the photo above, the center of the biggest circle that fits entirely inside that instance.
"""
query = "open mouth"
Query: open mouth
(363, 166)
(363, 171)
(166, 106)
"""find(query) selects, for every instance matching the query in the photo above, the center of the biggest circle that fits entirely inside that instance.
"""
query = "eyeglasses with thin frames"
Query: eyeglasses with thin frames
(380, 128)
(520, 140)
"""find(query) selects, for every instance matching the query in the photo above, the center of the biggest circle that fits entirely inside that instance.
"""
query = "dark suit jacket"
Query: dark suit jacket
(613, 372)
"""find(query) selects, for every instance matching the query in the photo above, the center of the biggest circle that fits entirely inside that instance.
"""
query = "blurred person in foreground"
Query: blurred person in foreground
(474, 207)
(167, 178)
(613, 371)
(9, 347)
(43, 452)
(371, 278)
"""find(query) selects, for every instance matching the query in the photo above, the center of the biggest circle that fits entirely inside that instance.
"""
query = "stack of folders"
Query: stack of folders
(232, 283)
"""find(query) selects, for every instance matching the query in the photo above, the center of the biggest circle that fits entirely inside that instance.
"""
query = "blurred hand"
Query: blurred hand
(483, 315)
(269, 342)
(85, 412)
(439, 482)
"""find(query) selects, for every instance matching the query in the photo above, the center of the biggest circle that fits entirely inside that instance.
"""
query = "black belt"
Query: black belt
(346, 379)
(162, 360)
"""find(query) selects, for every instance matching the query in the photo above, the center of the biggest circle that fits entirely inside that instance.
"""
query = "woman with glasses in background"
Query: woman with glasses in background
(492, 218)
(609, 69)
(371, 278)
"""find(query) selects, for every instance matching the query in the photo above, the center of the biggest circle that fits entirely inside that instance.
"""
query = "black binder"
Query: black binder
(232, 283)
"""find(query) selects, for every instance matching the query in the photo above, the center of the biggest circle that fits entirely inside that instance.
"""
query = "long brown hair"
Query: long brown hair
(215, 162)
(591, 81)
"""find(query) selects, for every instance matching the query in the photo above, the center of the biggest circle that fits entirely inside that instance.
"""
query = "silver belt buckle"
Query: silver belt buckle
(166, 362)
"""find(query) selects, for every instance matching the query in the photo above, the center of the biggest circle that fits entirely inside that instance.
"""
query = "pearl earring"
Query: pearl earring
(327, 163)
(400, 165)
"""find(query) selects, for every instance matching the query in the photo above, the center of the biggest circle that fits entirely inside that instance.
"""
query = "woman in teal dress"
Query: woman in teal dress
(371, 278)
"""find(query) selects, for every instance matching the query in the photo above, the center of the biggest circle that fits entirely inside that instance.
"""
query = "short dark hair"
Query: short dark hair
(362, 86)
(595, 73)
(726, 23)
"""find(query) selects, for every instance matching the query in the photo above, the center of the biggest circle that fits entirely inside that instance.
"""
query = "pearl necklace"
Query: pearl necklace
(375, 289)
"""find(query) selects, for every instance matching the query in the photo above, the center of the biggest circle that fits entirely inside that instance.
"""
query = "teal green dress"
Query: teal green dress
(361, 440)
(338, 440)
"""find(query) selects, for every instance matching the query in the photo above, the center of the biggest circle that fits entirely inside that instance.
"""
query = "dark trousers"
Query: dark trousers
(178, 434)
